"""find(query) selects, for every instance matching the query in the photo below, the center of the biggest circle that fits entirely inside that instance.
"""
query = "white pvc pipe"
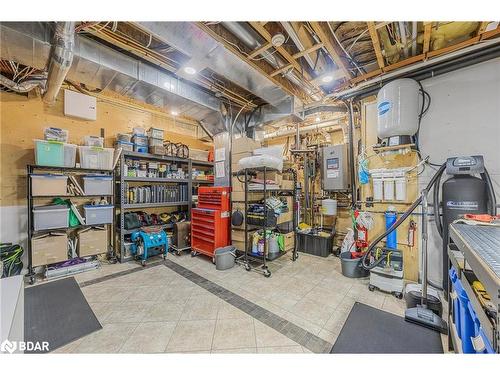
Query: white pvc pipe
(319, 125)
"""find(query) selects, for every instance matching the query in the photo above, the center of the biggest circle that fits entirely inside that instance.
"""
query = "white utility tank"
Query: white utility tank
(329, 207)
(398, 110)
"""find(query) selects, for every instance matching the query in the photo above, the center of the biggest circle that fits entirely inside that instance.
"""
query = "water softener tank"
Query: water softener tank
(392, 238)
(398, 111)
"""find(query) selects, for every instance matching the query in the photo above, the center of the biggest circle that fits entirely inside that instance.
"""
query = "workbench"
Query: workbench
(474, 250)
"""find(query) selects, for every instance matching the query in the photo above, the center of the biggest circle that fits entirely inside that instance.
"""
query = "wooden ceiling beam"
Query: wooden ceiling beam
(427, 37)
(307, 51)
(482, 27)
(376, 44)
(260, 50)
(332, 48)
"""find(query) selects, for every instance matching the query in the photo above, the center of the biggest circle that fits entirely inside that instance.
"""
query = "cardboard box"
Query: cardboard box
(284, 217)
(240, 245)
(92, 242)
(287, 185)
(244, 144)
(239, 196)
(289, 240)
(271, 176)
(237, 185)
(48, 249)
(239, 235)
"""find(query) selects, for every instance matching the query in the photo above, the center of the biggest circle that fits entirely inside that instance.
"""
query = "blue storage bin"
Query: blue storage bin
(479, 341)
(142, 149)
(140, 140)
(455, 301)
(465, 328)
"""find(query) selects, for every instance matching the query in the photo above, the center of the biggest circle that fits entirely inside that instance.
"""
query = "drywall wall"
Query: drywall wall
(23, 119)
(463, 119)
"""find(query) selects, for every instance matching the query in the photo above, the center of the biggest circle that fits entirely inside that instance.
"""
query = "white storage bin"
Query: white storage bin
(55, 134)
(69, 155)
(98, 185)
(99, 214)
(50, 217)
(96, 157)
(49, 184)
(140, 140)
(139, 130)
(155, 133)
(155, 142)
(92, 140)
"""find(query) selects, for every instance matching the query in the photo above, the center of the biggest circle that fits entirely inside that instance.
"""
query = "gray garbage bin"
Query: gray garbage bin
(225, 258)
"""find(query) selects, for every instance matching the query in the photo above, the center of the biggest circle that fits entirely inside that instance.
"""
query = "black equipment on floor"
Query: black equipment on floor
(388, 334)
(58, 313)
(10, 256)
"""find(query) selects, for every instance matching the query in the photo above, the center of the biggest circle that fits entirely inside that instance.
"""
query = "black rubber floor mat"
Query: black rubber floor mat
(370, 330)
(58, 313)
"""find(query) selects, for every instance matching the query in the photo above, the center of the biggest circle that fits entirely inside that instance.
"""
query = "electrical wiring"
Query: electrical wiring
(343, 49)
(355, 40)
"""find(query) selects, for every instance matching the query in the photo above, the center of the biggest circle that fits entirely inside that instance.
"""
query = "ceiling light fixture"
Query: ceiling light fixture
(174, 113)
(318, 119)
(190, 70)
(327, 78)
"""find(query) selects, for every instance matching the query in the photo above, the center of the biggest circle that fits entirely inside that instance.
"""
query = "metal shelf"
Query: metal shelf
(152, 205)
(68, 228)
(156, 179)
(70, 196)
(68, 169)
(208, 182)
(130, 231)
(140, 155)
(202, 163)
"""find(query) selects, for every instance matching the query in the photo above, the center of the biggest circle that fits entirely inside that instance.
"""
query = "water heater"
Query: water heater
(398, 111)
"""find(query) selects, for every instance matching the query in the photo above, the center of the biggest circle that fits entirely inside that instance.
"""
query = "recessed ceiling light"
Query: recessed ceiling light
(174, 113)
(190, 70)
(327, 78)
(318, 119)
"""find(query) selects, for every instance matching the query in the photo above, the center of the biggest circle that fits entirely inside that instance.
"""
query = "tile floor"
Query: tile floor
(157, 310)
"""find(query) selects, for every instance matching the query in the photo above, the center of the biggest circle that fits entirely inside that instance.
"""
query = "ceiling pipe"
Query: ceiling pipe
(60, 60)
(404, 41)
(336, 122)
(276, 62)
(414, 38)
(293, 35)
(22, 87)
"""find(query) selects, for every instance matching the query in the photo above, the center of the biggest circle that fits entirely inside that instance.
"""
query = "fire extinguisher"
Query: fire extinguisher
(361, 234)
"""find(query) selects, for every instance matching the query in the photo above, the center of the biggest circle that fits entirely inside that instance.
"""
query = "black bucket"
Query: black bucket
(351, 267)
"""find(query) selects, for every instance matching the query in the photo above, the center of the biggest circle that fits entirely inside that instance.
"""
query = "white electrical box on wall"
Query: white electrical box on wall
(80, 105)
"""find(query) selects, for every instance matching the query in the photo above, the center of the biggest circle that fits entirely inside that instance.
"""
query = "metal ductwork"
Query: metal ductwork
(60, 59)
(101, 67)
(22, 87)
(335, 122)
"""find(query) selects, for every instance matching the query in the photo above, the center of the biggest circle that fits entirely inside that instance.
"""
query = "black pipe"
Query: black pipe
(430, 71)
(351, 154)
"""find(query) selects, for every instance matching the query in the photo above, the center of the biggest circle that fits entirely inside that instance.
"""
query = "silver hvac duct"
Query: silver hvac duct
(60, 60)
(22, 87)
(102, 67)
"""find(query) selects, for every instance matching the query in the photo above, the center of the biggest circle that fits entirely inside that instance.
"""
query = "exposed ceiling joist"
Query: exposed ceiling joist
(332, 48)
(260, 50)
(308, 50)
(427, 37)
(376, 44)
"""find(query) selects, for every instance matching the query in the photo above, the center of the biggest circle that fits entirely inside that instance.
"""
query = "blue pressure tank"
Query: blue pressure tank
(392, 238)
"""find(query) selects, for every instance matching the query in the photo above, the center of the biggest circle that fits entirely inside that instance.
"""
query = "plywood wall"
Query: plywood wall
(23, 119)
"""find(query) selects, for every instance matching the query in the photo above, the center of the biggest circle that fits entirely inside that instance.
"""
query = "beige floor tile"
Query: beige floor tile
(100, 293)
(192, 335)
(280, 350)
(176, 295)
(107, 340)
(393, 305)
(234, 333)
(312, 311)
(101, 309)
(127, 312)
(328, 336)
(267, 336)
(235, 351)
(337, 320)
(149, 337)
(201, 307)
(228, 311)
(146, 293)
(164, 312)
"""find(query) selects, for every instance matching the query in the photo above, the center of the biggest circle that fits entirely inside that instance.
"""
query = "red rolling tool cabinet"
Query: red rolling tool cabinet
(210, 221)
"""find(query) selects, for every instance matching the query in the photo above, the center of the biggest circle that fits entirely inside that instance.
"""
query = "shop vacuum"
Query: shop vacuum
(463, 193)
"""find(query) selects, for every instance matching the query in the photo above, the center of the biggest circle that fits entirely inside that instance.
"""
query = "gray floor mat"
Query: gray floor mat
(370, 330)
(57, 312)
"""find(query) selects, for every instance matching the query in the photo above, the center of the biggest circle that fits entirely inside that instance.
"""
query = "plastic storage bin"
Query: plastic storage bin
(69, 155)
(155, 133)
(100, 214)
(479, 341)
(98, 185)
(92, 140)
(96, 157)
(140, 140)
(50, 217)
(55, 134)
(125, 146)
(141, 149)
(49, 153)
(49, 184)
(315, 244)
(465, 327)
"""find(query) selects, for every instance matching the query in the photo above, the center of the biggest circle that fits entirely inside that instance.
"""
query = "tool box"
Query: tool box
(210, 221)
